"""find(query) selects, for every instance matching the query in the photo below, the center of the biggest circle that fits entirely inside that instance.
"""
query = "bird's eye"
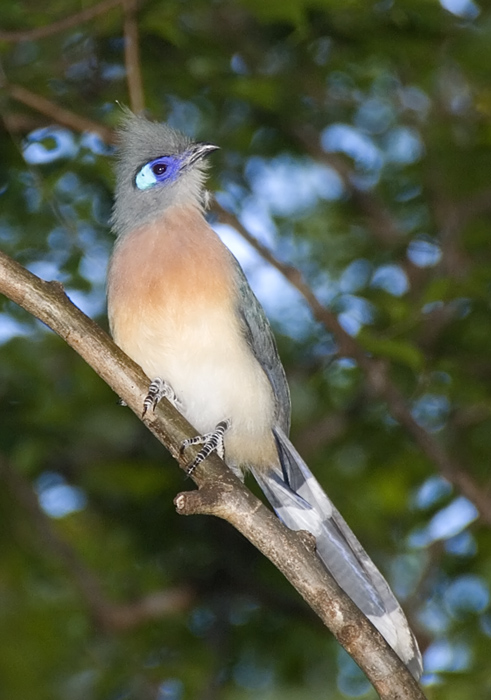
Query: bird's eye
(159, 169)
(156, 172)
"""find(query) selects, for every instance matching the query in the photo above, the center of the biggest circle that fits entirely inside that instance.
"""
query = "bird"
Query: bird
(180, 306)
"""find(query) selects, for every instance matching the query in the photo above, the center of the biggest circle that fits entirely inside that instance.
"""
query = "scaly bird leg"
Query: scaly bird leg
(158, 390)
(212, 442)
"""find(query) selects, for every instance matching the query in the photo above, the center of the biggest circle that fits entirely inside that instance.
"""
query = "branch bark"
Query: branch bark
(219, 492)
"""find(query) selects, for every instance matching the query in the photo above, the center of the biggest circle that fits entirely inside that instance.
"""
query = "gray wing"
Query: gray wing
(301, 504)
(260, 338)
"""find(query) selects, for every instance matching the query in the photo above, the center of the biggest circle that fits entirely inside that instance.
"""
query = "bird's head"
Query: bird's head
(158, 167)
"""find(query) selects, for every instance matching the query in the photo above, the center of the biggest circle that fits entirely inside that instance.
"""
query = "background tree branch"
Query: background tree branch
(376, 372)
(132, 56)
(62, 25)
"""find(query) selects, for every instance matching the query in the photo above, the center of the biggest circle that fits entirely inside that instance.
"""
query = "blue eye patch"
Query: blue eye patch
(158, 171)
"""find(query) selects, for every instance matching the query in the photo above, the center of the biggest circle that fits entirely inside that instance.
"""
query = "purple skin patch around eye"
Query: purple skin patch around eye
(158, 171)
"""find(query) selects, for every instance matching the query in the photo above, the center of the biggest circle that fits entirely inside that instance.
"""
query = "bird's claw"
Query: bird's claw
(212, 442)
(158, 390)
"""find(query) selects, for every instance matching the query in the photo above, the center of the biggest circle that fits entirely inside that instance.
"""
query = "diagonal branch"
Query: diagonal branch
(377, 374)
(60, 25)
(220, 492)
(59, 114)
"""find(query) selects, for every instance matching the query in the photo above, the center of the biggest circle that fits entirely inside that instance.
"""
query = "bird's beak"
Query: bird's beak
(197, 152)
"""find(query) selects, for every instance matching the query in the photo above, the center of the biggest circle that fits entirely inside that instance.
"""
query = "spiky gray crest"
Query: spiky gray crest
(141, 141)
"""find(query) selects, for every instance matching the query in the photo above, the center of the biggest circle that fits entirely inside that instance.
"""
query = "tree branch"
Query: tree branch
(62, 24)
(220, 492)
(132, 56)
(58, 114)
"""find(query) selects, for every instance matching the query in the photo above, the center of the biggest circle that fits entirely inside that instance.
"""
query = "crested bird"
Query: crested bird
(180, 305)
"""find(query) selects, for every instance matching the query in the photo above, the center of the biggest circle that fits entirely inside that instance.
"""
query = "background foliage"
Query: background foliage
(355, 143)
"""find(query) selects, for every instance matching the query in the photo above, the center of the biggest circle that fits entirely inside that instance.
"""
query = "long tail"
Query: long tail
(301, 504)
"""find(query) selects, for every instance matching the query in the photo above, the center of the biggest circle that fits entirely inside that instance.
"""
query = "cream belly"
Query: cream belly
(215, 376)
(178, 323)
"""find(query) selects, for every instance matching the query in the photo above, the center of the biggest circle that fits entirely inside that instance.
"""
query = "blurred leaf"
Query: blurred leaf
(399, 351)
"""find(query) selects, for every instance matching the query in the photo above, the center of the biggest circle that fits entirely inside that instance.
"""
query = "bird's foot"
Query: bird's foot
(158, 390)
(212, 442)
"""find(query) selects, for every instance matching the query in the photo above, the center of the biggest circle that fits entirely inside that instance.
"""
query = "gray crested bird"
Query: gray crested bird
(180, 306)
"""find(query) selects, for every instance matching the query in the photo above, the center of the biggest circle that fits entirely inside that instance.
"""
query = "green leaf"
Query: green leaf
(400, 351)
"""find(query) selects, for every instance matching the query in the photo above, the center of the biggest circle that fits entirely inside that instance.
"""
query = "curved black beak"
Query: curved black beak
(198, 151)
